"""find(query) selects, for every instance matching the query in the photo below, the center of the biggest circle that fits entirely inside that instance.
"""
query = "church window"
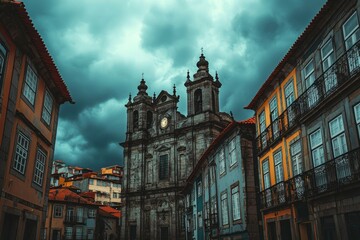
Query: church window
(164, 167)
(136, 119)
(149, 119)
(198, 101)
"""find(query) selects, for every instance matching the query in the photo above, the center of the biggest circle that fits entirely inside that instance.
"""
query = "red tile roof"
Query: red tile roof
(66, 195)
(19, 7)
(110, 211)
(301, 39)
(248, 121)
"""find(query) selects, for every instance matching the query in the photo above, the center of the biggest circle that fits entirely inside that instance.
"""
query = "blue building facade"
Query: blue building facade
(223, 188)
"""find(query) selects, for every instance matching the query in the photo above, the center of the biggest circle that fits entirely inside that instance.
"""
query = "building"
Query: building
(106, 188)
(161, 148)
(70, 216)
(220, 194)
(308, 128)
(32, 91)
(60, 171)
(108, 223)
(115, 173)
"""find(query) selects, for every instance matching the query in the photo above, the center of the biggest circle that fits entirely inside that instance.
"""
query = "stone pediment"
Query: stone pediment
(162, 148)
(165, 97)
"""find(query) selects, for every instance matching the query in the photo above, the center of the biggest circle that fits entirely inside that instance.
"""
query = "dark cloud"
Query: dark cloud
(102, 48)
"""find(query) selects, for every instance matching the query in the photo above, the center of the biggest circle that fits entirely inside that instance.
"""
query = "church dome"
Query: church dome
(202, 64)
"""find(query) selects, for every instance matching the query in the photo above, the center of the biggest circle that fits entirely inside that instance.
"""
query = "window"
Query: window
(337, 134)
(262, 126)
(235, 203)
(351, 36)
(279, 176)
(199, 188)
(266, 174)
(68, 233)
(232, 152)
(317, 150)
(312, 92)
(47, 108)
(29, 90)
(57, 211)
(164, 167)
(79, 231)
(224, 209)
(90, 234)
(21, 153)
(136, 119)
(2, 63)
(114, 195)
(328, 58)
(296, 159)
(39, 167)
(149, 119)
(92, 213)
(98, 182)
(357, 117)
(149, 175)
(289, 93)
(274, 117)
(198, 101)
(221, 159)
(79, 214)
(91, 181)
(206, 179)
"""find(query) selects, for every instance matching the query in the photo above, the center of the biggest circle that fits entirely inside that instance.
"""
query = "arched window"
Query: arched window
(135, 119)
(149, 119)
(198, 101)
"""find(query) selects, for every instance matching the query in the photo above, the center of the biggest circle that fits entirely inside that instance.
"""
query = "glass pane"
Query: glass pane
(350, 25)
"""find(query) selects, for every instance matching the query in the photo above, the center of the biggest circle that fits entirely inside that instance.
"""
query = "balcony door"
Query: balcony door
(351, 35)
(317, 154)
(274, 114)
(312, 91)
(328, 59)
(339, 147)
(297, 168)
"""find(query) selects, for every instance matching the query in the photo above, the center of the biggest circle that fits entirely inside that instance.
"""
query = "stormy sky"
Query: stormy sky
(102, 48)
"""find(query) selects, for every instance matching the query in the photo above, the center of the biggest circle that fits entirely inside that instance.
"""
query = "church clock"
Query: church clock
(164, 122)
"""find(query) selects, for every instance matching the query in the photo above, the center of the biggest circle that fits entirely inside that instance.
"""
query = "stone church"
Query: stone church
(161, 148)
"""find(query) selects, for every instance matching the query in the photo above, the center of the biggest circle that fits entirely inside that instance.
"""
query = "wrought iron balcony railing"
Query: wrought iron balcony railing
(346, 66)
(73, 219)
(332, 175)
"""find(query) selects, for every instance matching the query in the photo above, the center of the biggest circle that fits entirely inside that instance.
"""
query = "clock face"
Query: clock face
(164, 122)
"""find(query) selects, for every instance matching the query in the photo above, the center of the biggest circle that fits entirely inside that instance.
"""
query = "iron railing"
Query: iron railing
(346, 66)
(332, 175)
(74, 219)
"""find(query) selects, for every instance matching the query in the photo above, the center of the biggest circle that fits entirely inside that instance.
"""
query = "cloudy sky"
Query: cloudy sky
(102, 48)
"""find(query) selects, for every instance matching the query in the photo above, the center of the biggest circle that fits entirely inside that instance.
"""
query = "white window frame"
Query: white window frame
(337, 135)
(352, 32)
(30, 85)
(296, 157)
(21, 153)
(222, 164)
(235, 203)
(317, 148)
(278, 166)
(224, 209)
(3, 53)
(39, 167)
(68, 233)
(47, 108)
(357, 117)
(232, 152)
(262, 122)
(266, 174)
(289, 92)
(328, 59)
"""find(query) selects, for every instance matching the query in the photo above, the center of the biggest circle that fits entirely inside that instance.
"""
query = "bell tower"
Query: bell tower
(203, 90)
(139, 113)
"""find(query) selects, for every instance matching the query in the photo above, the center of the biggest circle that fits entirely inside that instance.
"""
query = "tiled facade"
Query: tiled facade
(308, 115)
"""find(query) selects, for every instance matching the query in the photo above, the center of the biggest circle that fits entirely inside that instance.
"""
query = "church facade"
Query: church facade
(161, 148)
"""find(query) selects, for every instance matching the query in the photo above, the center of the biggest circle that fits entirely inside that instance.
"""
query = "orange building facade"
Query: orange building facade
(32, 91)
(308, 132)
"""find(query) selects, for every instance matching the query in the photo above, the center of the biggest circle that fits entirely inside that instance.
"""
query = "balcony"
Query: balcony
(341, 72)
(332, 176)
(73, 219)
